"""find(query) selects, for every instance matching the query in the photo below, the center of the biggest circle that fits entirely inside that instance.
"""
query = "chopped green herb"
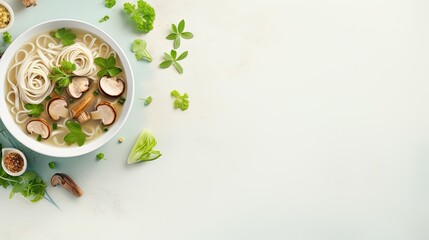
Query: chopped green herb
(100, 156)
(103, 19)
(109, 3)
(177, 33)
(147, 101)
(170, 59)
(181, 101)
(29, 185)
(61, 75)
(107, 66)
(47, 98)
(66, 36)
(105, 129)
(143, 15)
(139, 48)
(96, 92)
(52, 165)
(71, 101)
(121, 100)
(7, 38)
(39, 138)
(75, 134)
(54, 125)
(34, 110)
(143, 148)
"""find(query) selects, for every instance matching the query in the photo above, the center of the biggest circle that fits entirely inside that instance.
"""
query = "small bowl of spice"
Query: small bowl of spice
(13, 161)
(6, 16)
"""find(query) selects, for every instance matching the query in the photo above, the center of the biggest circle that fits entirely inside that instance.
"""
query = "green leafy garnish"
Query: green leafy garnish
(171, 59)
(109, 3)
(61, 75)
(95, 93)
(103, 19)
(47, 98)
(143, 148)
(139, 48)
(147, 101)
(54, 125)
(34, 110)
(107, 66)
(100, 156)
(181, 102)
(52, 165)
(66, 36)
(177, 33)
(7, 38)
(143, 15)
(121, 100)
(29, 185)
(105, 129)
(75, 134)
(39, 138)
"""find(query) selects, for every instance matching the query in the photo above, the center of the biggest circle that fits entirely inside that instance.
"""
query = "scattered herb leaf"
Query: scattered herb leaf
(66, 36)
(143, 15)
(104, 19)
(109, 3)
(147, 101)
(75, 134)
(34, 110)
(143, 148)
(171, 59)
(107, 66)
(29, 185)
(177, 33)
(100, 156)
(181, 101)
(7, 38)
(52, 165)
(139, 48)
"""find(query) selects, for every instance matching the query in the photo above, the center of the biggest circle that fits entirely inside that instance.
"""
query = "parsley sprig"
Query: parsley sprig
(34, 110)
(66, 36)
(109, 3)
(29, 185)
(147, 101)
(61, 75)
(172, 59)
(7, 38)
(75, 134)
(181, 102)
(107, 66)
(103, 19)
(178, 32)
(143, 15)
(139, 48)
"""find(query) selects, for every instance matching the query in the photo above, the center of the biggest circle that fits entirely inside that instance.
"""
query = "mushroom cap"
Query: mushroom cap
(39, 126)
(105, 112)
(111, 86)
(57, 108)
(67, 182)
(78, 86)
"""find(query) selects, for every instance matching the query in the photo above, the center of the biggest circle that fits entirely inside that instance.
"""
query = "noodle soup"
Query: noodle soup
(64, 94)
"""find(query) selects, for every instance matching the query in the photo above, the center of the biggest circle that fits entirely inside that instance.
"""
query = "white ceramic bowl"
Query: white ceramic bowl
(29, 141)
(11, 14)
(5, 151)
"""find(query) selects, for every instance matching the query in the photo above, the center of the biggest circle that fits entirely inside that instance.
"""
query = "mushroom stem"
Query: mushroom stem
(28, 3)
(80, 106)
(68, 183)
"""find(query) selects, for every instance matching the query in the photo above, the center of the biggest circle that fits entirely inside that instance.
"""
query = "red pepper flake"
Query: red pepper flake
(13, 162)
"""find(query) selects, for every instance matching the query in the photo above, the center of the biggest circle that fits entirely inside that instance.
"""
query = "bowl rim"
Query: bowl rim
(73, 150)
(11, 14)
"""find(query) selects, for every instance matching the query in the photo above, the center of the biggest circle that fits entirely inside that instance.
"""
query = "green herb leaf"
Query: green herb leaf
(107, 66)
(7, 38)
(109, 3)
(171, 60)
(143, 148)
(103, 19)
(66, 36)
(52, 165)
(34, 109)
(29, 185)
(181, 101)
(177, 33)
(75, 134)
(61, 75)
(143, 15)
(147, 101)
(139, 48)
(122, 100)
(100, 156)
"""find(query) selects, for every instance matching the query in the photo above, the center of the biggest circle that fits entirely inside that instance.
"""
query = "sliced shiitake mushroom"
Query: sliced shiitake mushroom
(68, 183)
(40, 127)
(57, 108)
(78, 86)
(111, 86)
(105, 112)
